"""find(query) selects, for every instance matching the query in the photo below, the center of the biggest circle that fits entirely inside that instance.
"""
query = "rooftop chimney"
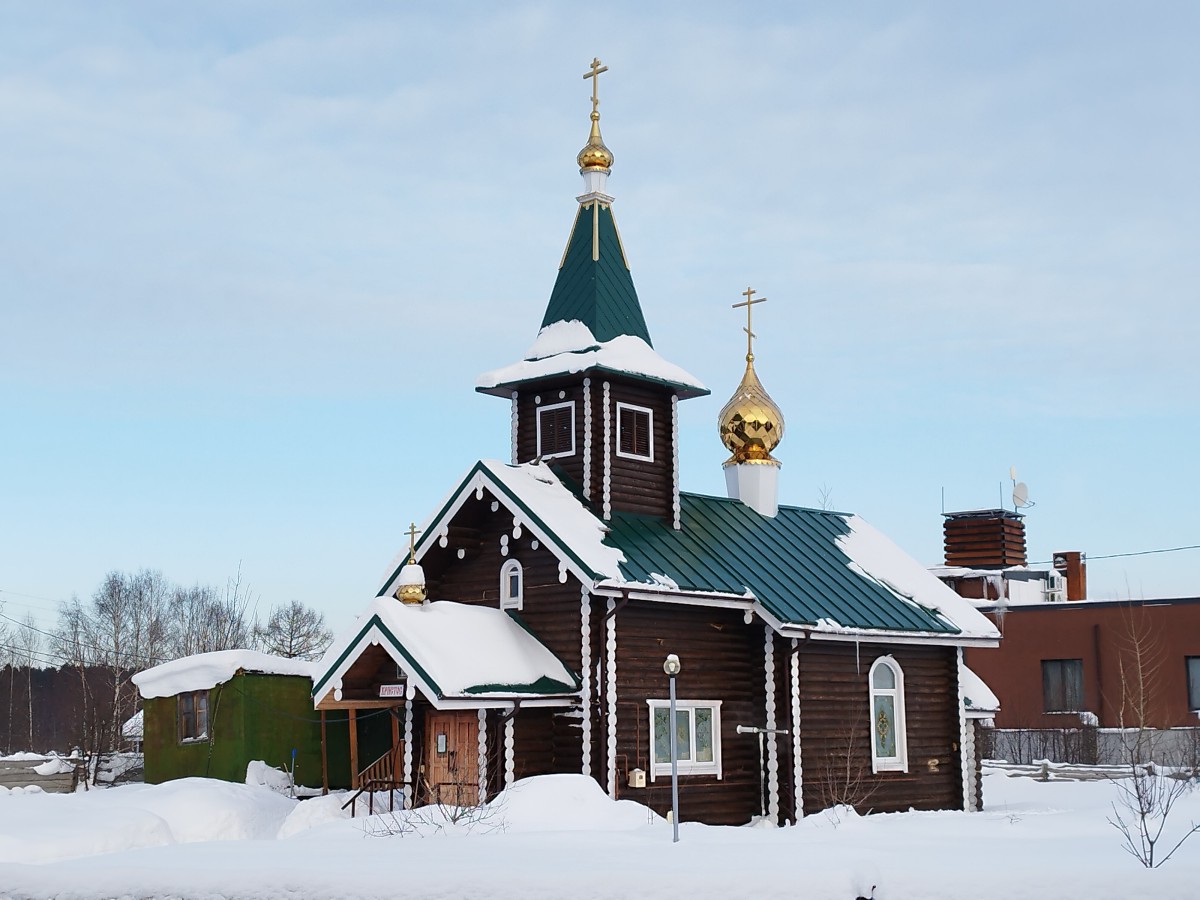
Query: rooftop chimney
(985, 539)
(1070, 564)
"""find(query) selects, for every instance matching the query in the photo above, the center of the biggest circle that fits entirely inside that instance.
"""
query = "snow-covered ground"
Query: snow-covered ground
(559, 836)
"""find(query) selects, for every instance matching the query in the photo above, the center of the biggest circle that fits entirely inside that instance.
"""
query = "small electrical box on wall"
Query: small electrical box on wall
(637, 778)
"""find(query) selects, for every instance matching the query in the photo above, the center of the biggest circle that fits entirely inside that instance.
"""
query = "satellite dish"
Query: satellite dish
(1020, 495)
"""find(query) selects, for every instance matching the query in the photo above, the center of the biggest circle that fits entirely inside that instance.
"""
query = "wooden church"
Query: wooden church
(525, 632)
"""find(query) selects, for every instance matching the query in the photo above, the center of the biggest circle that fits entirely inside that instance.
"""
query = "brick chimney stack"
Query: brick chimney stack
(1070, 564)
(985, 539)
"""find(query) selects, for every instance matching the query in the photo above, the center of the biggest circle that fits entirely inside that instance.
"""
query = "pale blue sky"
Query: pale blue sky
(252, 257)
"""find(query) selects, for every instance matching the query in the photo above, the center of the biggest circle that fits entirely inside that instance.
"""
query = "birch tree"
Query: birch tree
(295, 631)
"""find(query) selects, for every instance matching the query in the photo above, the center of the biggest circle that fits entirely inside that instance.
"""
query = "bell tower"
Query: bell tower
(592, 396)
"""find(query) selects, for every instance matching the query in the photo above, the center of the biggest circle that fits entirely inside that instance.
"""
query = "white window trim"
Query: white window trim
(542, 409)
(899, 762)
(688, 767)
(508, 601)
(649, 429)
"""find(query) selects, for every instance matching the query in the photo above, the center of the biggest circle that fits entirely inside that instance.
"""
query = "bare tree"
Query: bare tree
(123, 628)
(1146, 792)
(294, 631)
(846, 779)
(8, 650)
(28, 643)
(824, 497)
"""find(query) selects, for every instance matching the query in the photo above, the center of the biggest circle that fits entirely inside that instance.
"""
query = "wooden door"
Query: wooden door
(452, 757)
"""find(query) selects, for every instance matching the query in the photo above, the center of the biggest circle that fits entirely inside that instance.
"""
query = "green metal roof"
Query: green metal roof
(791, 563)
(597, 292)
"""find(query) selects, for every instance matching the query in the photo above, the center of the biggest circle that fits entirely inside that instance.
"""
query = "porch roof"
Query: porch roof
(451, 651)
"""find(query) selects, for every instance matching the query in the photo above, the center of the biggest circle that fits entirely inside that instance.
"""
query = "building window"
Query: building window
(193, 715)
(889, 739)
(1193, 678)
(556, 430)
(1062, 685)
(635, 427)
(512, 585)
(698, 736)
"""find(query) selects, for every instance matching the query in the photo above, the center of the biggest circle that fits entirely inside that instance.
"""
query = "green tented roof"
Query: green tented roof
(792, 563)
(597, 292)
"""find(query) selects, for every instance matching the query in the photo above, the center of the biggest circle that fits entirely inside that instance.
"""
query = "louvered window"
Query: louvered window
(556, 430)
(635, 431)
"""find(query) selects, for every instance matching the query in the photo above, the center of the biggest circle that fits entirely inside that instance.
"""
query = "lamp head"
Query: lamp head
(672, 666)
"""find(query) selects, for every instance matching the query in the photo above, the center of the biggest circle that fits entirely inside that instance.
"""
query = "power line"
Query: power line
(30, 596)
(1089, 557)
(103, 651)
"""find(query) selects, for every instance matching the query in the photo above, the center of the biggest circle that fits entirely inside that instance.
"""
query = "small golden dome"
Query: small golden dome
(751, 424)
(412, 584)
(594, 154)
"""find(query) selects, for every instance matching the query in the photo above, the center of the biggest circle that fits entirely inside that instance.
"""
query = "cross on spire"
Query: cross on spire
(412, 542)
(594, 74)
(749, 293)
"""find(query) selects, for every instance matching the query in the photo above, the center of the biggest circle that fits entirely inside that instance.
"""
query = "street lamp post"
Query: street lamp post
(671, 667)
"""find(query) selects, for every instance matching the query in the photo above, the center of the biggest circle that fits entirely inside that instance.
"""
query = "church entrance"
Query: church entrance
(452, 757)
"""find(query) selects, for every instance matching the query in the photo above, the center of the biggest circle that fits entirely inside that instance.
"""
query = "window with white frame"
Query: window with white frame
(556, 430)
(698, 737)
(889, 740)
(512, 585)
(635, 431)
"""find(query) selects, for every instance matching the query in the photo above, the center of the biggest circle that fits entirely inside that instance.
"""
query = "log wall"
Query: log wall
(636, 485)
(550, 609)
(836, 732)
(722, 659)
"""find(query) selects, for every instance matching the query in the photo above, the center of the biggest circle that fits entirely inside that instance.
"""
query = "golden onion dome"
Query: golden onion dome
(594, 154)
(751, 424)
(412, 583)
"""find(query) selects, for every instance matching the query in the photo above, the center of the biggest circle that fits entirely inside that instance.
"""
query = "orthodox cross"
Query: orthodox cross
(595, 76)
(412, 542)
(748, 293)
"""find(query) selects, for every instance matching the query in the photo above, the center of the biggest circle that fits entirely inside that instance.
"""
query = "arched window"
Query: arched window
(889, 741)
(512, 585)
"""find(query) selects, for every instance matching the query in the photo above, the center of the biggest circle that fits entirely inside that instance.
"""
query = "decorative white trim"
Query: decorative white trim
(515, 418)
(675, 508)
(610, 695)
(510, 751)
(649, 429)
(899, 762)
(772, 739)
(538, 416)
(585, 668)
(587, 438)
(966, 740)
(797, 757)
(607, 510)
(409, 694)
(509, 600)
(687, 767)
(483, 781)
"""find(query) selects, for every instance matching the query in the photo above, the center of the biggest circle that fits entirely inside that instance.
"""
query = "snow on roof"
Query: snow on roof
(461, 649)
(206, 670)
(133, 728)
(573, 524)
(977, 696)
(566, 347)
(874, 556)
